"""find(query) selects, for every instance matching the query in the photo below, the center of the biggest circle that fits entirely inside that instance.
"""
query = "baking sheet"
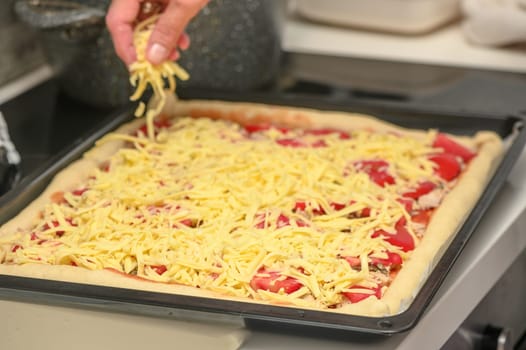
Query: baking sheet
(126, 300)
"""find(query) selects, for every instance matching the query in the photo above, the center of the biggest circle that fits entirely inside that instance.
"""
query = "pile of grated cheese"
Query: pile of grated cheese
(188, 208)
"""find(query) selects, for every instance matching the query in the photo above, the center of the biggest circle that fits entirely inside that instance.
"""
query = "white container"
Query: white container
(400, 16)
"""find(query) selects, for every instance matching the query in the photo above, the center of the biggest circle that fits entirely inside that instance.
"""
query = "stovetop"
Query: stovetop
(44, 121)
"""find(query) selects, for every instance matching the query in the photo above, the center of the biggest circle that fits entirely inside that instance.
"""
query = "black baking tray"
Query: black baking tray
(119, 299)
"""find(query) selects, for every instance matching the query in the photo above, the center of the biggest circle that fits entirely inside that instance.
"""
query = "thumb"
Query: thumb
(167, 31)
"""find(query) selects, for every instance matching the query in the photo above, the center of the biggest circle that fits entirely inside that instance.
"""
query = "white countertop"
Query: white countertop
(444, 47)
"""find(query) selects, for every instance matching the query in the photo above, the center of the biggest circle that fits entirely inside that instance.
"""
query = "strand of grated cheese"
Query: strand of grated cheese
(144, 73)
(129, 219)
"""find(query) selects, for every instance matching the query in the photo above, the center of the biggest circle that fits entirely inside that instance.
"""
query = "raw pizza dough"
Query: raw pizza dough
(445, 222)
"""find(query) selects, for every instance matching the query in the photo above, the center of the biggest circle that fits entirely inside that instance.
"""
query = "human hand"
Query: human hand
(167, 36)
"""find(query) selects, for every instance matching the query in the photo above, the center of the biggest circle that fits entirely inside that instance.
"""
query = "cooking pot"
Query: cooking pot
(235, 46)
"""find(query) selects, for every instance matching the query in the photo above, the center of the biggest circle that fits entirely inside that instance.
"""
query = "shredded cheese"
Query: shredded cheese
(208, 206)
(144, 73)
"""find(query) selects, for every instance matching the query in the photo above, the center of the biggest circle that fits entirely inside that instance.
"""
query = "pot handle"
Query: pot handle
(49, 14)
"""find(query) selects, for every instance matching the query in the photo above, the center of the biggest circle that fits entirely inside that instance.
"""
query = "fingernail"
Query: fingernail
(157, 54)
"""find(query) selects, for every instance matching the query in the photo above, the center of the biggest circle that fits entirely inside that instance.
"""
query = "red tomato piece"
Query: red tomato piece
(320, 132)
(354, 297)
(381, 178)
(319, 144)
(402, 238)
(15, 248)
(55, 223)
(294, 143)
(301, 223)
(448, 166)
(46, 226)
(105, 166)
(159, 269)
(159, 123)
(366, 212)
(273, 282)
(377, 171)
(253, 128)
(70, 221)
(422, 216)
(372, 165)
(393, 260)
(452, 147)
(354, 261)
(407, 203)
(300, 206)
(421, 189)
(337, 206)
(282, 221)
(79, 192)
(318, 211)
(187, 222)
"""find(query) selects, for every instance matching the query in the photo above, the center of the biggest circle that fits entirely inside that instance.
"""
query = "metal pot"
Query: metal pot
(235, 46)
(79, 48)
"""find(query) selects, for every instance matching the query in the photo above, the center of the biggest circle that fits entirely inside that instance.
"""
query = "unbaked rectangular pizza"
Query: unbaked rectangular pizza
(263, 204)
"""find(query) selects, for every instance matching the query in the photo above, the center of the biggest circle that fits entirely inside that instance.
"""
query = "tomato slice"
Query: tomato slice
(402, 238)
(281, 221)
(366, 212)
(189, 222)
(393, 260)
(319, 144)
(407, 203)
(354, 297)
(354, 261)
(302, 206)
(253, 128)
(159, 269)
(448, 166)
(381, 178)
(321, 132)
(294, 143)
(337, 206)
(421, 189)
(377, 171)
(452, 147)
(422, 216)
(273, 281)
(158, 124)
(79, 192)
